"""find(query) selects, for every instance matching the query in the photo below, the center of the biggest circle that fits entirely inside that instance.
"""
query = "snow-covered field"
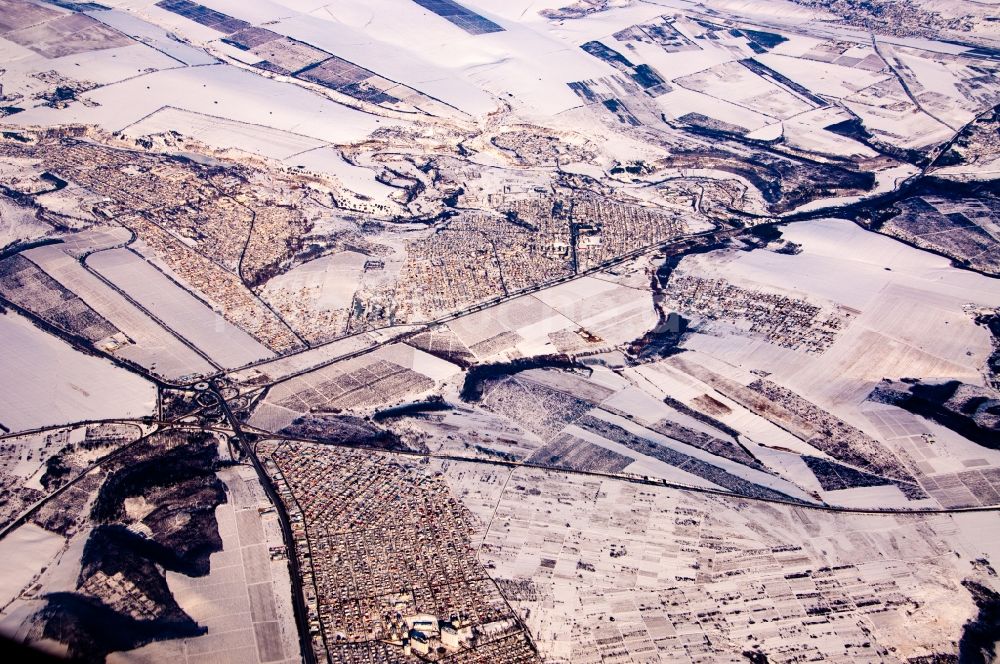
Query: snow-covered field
(152, 346)
(47, 382)
(218, 90)
(466, 239)
(178, 309)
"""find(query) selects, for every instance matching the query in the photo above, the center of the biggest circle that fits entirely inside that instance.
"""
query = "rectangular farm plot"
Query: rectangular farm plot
(363, 387)
(212, 130)
(287, 56)
(291, 57)
(16, 14)
(336, 73)
(738, 84)
(350, 79)
(152, 346)
(179, 310)
(663, 34)
(23, 283)
(251, 38)
(464, 18)
(61, 35)
(387, 376)
(203, 15)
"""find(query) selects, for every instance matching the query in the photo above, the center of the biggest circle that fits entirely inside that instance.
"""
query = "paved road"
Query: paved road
(295, 573)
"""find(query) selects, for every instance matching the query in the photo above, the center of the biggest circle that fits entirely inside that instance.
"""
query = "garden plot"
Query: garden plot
(888, 113)
(524, 326)
(18, 224)
(595, 25)
(912, 320)
(657, 440)
(646, 466)
(677, 64)
(663, 380)
(20, 14)
(31, 73)
(37, 464)
(934, 449)
(94, 239)
(289, 56)
(22, 282)
(615, 313)
(952, 470)
(325, 284)
(270, 51)
(876, 273)
(203, 15)
(183, 26)
(938, 85)
(32, 76)
(599, 385)
(468, 72)
(461, 16)
(385, 377)
(808, 132)
(388, 52)
(178, 309)
(775, 448)
(476, 432)
(584, 424)
(294, 363)
(624, 545)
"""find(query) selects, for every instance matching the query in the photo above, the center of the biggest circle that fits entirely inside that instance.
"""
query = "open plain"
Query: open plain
(476, 331)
